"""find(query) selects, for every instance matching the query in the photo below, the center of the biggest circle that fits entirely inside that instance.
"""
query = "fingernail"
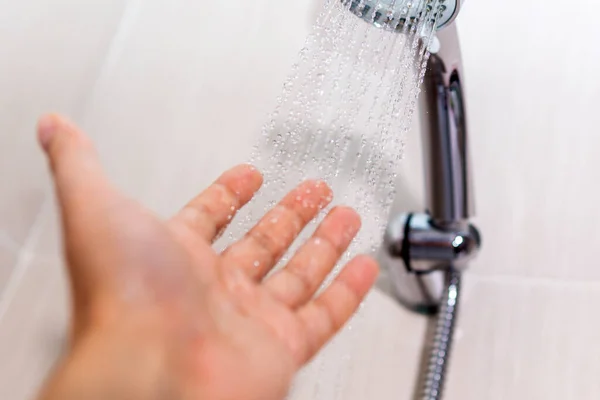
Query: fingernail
(351, 231)
(251, 167)
(46, 129)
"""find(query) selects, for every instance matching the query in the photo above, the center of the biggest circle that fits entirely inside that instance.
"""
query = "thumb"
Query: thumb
(85, 198)
(80, 183)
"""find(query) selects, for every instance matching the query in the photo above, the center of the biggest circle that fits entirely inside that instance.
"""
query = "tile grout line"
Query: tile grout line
(8, 243)
(24, 259)
(534, 280)
(130, 15)
(115, 49)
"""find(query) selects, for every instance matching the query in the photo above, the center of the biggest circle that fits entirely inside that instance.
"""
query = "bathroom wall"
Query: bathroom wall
(156, 82)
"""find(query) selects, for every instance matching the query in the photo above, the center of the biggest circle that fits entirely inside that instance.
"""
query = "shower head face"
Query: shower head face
(396, 14)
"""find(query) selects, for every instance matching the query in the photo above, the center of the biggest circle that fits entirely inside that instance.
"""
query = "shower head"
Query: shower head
(395, 14)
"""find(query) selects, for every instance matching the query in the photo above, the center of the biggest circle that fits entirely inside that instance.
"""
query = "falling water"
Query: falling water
(344, 110)
(342, 116)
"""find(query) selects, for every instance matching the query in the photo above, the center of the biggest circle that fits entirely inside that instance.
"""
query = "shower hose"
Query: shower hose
(436, 364)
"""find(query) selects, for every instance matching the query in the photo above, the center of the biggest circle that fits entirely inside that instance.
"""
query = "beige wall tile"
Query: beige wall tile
(190, 90)
(51, 53)
(8, 259)
(33, 312)
(526, 339)
(531, 89)
(32, 330)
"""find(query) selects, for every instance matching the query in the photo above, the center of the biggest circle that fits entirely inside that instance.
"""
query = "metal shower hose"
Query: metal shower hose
(432, 386)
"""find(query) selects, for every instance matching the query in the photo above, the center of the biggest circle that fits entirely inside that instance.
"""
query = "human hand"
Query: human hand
(159, 314)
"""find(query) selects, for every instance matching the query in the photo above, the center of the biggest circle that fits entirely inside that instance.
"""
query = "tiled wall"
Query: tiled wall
(156, 82)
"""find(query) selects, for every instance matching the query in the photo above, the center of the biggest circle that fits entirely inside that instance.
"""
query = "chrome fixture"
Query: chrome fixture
(396, 13)
(426, 245)
(429, 249)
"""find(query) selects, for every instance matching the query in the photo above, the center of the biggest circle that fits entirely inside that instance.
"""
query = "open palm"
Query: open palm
(192, 322)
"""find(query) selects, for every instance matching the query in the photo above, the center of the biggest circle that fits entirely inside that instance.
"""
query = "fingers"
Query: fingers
(301, 278)
(328, 313)
(258, 252)
(210, 212)
(78, 177)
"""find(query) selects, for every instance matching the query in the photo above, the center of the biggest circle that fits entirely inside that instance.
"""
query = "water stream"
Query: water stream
(344, 111)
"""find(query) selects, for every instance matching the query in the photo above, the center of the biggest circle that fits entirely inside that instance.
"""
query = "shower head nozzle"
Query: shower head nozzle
(396, 14)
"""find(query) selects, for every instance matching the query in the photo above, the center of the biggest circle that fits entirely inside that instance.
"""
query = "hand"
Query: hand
(158, 314)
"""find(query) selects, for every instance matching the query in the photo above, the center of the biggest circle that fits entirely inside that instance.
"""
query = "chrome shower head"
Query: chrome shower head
(395, 14)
